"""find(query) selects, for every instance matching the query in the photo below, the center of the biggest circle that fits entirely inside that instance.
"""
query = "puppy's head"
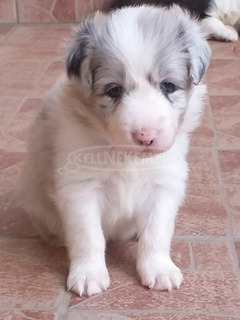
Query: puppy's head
(138, 66)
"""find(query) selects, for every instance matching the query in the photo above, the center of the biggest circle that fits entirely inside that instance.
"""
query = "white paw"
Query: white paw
(88, 278)
(228, 34)
(159, 273)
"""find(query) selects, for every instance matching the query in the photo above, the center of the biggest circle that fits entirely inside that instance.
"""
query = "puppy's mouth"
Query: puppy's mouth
(139, 151)
(147, 152)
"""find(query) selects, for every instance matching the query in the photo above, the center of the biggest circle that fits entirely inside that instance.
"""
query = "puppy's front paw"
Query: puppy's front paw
(88, 278)
(159, 273)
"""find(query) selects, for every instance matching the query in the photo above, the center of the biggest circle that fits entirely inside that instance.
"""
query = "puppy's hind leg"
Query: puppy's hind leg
(80, 213)
(215, 29)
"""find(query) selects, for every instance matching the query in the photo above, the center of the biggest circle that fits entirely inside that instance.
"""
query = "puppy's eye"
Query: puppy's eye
(114, 90)
(168, 87)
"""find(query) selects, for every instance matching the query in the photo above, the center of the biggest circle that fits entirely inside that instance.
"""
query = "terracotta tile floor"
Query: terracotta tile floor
(207, 239)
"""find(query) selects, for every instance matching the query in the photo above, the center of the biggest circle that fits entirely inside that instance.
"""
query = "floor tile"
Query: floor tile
(12, 144)
(208, 292)
(14, 221)
(35, 11)
(24, 315)
(64, 11)
(204, 135)
(203, 171)
(40, 11)
(230, 161)
(181, 255)
(235, 220)
(8, 107)
(84, 8)
(228, 131)
(226, 111)
(225, 50)
(36, 43)
(202, 212)
(237, 244)
(19, 125)
(224, 82)
(36, 250)
(55, 69)
(4, 31)
(212, 256)
(27, 281)
(101, 4)
(202, 215)
(39, 315)
(225, 106)
(7, 11)
(12, 81)
(9, 159)
(230, 164)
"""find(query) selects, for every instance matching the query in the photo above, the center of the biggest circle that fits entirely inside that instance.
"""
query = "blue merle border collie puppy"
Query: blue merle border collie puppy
(132, 93)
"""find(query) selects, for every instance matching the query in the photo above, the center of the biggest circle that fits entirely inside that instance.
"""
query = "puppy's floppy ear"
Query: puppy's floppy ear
(80, 50)
(200, 54)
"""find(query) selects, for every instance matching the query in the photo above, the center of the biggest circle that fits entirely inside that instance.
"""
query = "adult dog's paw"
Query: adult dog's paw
(159, 273)
(228, 34)
(88, 278)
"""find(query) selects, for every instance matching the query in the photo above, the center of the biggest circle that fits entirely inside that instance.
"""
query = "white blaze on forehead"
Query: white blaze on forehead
(135, 48)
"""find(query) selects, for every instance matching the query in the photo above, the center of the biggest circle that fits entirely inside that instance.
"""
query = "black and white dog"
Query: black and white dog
(220, 19)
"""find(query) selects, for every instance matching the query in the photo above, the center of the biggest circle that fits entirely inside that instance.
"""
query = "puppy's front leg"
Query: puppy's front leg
(81, 218)
(155, 267)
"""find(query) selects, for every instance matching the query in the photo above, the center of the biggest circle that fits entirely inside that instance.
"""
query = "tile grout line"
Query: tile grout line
(22, 314)
(63, 305)
(51, 11)
(52, 7)
(160, 312)
(222, 189)
(17, 10)
(76, 11)
(94, 297)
